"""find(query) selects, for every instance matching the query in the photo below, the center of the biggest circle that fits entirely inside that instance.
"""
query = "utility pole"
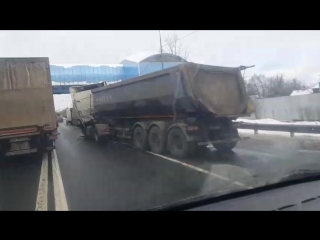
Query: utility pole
(161, 49)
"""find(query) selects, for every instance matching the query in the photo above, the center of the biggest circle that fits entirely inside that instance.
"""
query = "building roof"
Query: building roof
(301, 92)
(140, 56)
(67, 65)
(153, 57)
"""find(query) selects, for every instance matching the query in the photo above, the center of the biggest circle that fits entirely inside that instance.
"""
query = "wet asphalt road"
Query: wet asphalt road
(119, 177)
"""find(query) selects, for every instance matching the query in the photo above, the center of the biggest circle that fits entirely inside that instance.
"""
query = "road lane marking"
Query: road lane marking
(42, 198)
(196, 168)
(202, 170)
(59, 193)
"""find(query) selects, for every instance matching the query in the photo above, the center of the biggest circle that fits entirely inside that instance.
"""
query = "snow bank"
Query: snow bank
(301, 92)
(276, 133)
(273, 121)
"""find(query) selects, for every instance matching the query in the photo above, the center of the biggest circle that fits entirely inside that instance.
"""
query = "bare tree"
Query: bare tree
(173, 46)
(277, 86)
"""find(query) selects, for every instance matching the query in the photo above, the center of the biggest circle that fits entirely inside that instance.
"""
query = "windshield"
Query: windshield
(142, 119)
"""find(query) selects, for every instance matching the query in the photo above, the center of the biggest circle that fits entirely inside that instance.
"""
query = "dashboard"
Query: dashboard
(299, 197)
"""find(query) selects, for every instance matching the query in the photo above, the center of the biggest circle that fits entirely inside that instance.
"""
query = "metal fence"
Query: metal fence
(314, 129)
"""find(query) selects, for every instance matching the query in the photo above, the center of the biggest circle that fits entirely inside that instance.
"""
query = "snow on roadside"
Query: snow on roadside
(273, 121)
(285, 134)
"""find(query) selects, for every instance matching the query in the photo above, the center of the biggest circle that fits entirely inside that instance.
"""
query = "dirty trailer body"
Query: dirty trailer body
(180, 109)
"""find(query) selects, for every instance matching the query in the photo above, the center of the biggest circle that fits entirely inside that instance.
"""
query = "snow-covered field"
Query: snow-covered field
(273, 121)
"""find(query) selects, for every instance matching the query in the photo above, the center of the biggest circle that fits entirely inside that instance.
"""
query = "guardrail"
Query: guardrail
(314, 129)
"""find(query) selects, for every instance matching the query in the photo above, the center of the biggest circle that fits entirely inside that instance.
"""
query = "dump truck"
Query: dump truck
(72, 117)
(181, 109)
(68, 116)
(75, 117)
(28, 121)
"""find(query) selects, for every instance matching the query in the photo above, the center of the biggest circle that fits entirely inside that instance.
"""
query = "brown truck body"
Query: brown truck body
(28, 120)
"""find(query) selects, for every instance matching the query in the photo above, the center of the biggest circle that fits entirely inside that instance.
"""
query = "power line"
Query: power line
(161, 47)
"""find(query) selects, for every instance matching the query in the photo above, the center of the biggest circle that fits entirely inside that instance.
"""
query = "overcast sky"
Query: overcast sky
(293, 53)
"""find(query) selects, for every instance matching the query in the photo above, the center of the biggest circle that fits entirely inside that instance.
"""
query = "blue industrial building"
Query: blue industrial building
(64, 76)
(144, 63)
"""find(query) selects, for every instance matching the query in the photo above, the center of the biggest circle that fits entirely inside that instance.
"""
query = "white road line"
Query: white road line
(42, 198)
(196, 168)
(202, 170)
(59, 194)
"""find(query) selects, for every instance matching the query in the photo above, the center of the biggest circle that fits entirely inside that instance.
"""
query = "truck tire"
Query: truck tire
(157, 140)
(96, 137)
(49, 144)
(177, 143)
(84, 132)
(196, 150)
(225, 147)
(140, 138)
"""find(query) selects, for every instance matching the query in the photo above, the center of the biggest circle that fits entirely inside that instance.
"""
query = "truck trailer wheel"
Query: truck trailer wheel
(196, 150)
(84, 132)
(96, 137)
(99, 139)
(225, 147)
(177, 143)
(140, 138)
(157, 140)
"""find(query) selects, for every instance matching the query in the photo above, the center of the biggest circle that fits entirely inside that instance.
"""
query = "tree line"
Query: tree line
(261, 86)
(258, 85)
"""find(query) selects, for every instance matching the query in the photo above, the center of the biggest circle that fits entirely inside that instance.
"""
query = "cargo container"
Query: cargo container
(28, 120)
